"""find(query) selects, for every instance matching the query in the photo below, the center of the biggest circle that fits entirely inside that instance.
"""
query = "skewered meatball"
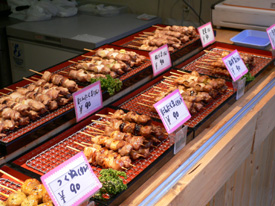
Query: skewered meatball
(29, 186)
(46, 204)
(46, 198)
(31, 200)
(16, 198)
(39, 191)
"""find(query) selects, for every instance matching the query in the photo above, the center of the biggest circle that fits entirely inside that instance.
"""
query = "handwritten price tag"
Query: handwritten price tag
(235, 65)
(206, 34)
(87, 100)
(172, 111)
(271, 34)
(72, 182)
(160, 59)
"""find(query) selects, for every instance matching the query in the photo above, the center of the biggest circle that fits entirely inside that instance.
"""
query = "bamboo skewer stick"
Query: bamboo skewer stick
(96, 129)
(98, 133)
(153, 94)
(169, 80)
(8, 89)
(79, 144)
(72, 62)
(3, 94)
(14, 178)
(100, 122)
(73, 148)
(89, 50)
(144, 104)
(170, 85)
(87, 134)
(5, 195)
(86, 143)
(30, 80)
(147, 96)
(35, 72)
(182, 72)
(102, 115)
(146, 100)
(35, 78)
(5, 187)
(176, 74)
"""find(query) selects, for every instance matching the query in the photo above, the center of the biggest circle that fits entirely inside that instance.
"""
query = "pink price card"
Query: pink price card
(72, 182)
(206, 34)
(87, 100)
(271, 35)
(160, 59)
(235, 65)
(172, 111)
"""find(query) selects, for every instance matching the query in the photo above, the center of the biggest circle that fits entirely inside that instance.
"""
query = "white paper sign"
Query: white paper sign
(160, 59)
(172, 111)
(87, 100)
(206, 34)
(235, 65)
(271, 34)
(72, 182)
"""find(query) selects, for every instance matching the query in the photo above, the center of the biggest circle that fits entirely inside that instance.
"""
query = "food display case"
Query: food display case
(221, 136)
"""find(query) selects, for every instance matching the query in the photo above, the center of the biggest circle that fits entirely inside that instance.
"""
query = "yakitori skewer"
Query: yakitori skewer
(12, 177)
(7, 188)
(3, 194)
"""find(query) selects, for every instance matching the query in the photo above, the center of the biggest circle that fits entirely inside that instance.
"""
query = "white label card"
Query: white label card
(240, 87)
(178, 137)
(160, 59)
(271, 34)
(72, 182)
(206, 34)
(172, 111)
(87, 100)
(235, 65)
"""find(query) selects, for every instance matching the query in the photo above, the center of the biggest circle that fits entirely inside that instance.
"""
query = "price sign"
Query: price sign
(235, 65)
(172, 111)
(160, 59)
(72, 182)
(206, 34)
(87, 100)
(271, 34)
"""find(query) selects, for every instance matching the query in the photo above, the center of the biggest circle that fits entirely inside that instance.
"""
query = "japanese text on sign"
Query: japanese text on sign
(160, 59)
(271, 34)
(87, 100)
(235, 65)
(206, 34)
(71, 182)
(172, 111)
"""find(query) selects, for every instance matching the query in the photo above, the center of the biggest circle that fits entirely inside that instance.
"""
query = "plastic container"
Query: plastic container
(102, 9)
(252, 38)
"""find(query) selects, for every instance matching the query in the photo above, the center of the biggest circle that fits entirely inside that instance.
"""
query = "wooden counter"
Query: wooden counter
(230, 163)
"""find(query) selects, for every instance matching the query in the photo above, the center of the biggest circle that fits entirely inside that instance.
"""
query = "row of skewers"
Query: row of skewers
(125, 137)
(26, 104)
(196, 90)
(213, 63)
(108, 61)
(174, 36)
(31, 193)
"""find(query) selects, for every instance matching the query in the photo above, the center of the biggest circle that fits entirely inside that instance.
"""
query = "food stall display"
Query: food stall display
(126, 135)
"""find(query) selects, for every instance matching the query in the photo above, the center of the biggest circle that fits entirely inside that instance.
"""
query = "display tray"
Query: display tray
(261, 59)
(26, 134)
(177, 54)
(141, 95)
(55, 151)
